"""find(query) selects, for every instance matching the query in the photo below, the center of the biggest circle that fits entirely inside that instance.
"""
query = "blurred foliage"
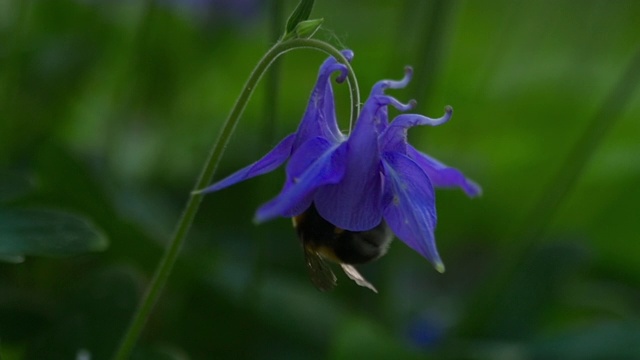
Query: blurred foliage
(107, 110)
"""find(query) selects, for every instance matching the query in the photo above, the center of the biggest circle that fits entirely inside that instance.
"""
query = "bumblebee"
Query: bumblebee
(322, 241)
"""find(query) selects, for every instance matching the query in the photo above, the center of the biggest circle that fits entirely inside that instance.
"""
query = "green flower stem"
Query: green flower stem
(171, 253)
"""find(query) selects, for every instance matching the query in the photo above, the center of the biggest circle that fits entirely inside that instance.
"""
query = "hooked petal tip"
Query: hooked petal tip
(348, 54)
(448, 110)
(404, 107)
(399, 84)
(380, 86)
(343, 74)
(408, 71)
(390, 100)
(344, 71)
(448, 113)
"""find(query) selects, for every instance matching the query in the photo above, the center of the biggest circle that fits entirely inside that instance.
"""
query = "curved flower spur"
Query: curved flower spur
(347, 193)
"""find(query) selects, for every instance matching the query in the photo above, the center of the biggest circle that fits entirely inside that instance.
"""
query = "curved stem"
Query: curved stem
(171, 253)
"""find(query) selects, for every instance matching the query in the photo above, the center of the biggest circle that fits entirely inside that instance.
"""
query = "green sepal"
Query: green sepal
(306, 29)
(301, 13)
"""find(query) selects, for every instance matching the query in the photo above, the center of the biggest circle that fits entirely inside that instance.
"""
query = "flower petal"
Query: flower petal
(319, 118)
(441, 175)
(394, 137)
(375, 106)
(410, 211)
(300, 162)
(306, 156)
(355, 202)
(297, 194)
(381, 85)
(268, 163)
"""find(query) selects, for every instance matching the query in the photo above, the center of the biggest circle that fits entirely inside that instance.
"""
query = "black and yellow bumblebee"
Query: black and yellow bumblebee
(322, 241)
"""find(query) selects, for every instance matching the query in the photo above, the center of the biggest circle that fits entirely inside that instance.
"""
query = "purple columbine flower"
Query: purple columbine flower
(359, 180)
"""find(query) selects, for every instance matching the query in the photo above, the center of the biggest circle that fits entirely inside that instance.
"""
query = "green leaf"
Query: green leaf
(301, 13)
(49, 233)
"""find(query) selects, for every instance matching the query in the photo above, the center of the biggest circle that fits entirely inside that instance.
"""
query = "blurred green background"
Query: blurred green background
(108, 110)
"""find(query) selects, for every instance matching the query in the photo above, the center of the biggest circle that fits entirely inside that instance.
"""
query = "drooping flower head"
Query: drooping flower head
(357, 181)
